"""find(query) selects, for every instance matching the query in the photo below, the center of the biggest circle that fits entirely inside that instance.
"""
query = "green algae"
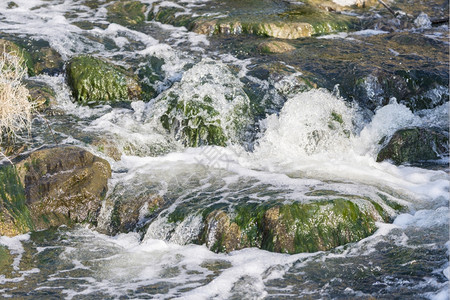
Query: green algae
(95, 81)
(15, 215)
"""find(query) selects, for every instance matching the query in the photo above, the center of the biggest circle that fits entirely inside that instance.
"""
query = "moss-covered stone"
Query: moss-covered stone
(291, 228)
(94, 81)
(414, 145)
(127, 12)
(208, 106)
(149, 75)
(14, 214)
(51, 187)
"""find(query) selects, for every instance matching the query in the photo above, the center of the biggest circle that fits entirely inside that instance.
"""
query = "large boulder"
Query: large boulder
(52, 187)
(327, 220)
(413, 145)
(95, 81)
(291, 228)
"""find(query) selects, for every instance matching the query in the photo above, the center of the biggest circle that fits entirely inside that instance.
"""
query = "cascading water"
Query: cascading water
(200, 148)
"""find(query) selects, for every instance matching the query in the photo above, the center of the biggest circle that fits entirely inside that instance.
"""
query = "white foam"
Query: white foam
(15, 247)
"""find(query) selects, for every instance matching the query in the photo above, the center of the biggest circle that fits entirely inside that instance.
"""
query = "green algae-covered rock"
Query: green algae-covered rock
(207, 107)
(290, 228)
(127, 12)
(94, 81)
(414, 145)
(14, 214)
(51, 187)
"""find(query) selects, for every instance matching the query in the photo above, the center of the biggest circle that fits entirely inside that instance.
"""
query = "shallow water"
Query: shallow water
(295, 153)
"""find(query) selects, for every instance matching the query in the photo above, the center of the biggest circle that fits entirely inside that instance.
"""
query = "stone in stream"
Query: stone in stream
(279, 19)
(369, 70)
(126, 12)
(51, 187)
(413, 145)
(94, 81)
(207, 107)
(14, 49)
(290, 228)
(293, 227)
(38, 56)
(41, 94)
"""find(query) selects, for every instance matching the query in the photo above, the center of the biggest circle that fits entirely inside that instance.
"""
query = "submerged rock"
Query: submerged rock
(414, 145)
(127, 214)
(207, 107)
(94, 81)
(127, 12)
(52, 187)
(275, 47)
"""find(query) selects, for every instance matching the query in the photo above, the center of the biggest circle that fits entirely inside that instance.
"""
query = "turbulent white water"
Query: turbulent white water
(317, 141)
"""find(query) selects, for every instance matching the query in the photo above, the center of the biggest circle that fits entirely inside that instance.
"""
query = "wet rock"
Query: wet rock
(264, 18)
(94, 81)
(12, 4)
(41, 94)
(47, 61)
(14, 49)
(207, 107)
(150, 74)
(107, 147)
(291, 228)
(275, 47)
(126, 12)
(52, 187)
(414, 145)
(15, 216)
(128, 212)
(372, 69)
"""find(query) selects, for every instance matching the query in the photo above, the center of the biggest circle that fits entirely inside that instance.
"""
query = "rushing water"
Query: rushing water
(293, 152)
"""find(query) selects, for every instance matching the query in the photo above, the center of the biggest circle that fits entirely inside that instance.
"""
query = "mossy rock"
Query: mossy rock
(51, 187)
(149, 75)
(125, 12)
(15, 49)
(95, 81)
(414, 145)
(15, 216)
(41, 94)
(207, 107)
(290, 228)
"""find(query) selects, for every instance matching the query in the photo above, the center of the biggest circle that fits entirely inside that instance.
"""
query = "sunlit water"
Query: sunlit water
(295, 152)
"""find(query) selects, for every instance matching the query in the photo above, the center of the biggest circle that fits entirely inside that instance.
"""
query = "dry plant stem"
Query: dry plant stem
(15, 107)
(387, 7)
